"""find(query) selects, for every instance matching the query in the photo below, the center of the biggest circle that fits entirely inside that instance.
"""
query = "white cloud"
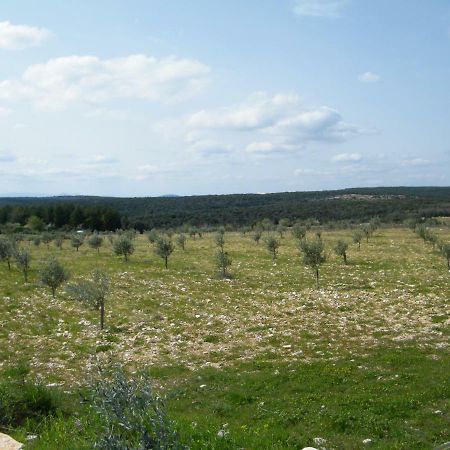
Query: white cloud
(17, 37)
(415, 162)
(347, 157)
(319, 8)
(258, 111)
(269, 148)
(60, 82)
(369, 77)
(102, 159)
(281, 116)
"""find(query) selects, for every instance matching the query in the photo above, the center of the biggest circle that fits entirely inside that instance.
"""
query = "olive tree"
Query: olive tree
(6, 251)
(23, 261)
(257, 236)
(272, 245)
(181, 241)
(445, 250)
(59, 241)
(152, 236)
(92, 291)
(53, 274)
(46, 239)
(95, 242)
(219, 239)
(281, 229)
(313, 255)
(76, 241)
(341, 249)
(123, 247)
(223, 261)
(164, 248)
(299, 231)
(357, 237)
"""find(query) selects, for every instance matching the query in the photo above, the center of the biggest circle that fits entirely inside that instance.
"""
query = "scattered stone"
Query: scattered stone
(367, 441)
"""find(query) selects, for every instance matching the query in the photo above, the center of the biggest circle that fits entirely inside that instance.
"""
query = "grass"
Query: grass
(364, 357)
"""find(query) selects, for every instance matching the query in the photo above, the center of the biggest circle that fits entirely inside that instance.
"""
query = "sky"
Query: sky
(157, 97)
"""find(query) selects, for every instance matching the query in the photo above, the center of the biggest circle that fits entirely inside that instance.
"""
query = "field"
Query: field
(260, 360)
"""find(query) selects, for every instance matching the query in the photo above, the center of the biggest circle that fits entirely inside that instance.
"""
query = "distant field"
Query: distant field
(364, 357)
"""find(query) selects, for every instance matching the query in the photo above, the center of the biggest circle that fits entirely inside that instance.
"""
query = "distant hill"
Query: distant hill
(391, 204)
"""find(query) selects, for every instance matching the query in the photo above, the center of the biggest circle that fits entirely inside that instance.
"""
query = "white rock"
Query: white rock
(367, 441)
(8, 443)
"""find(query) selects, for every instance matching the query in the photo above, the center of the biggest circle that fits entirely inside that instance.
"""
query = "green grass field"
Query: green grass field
(263, 356)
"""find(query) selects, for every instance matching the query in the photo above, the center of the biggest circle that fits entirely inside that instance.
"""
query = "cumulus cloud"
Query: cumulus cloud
(17, 37)
(319, 8)
(259, 111)
(60, 82)
(369, 77)
(282, 116)
(347, 157)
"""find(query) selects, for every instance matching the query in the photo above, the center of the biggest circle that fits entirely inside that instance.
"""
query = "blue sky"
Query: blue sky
(152, 97)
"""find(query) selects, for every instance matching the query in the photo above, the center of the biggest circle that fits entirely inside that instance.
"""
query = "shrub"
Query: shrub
(6, 251)
(133, 415)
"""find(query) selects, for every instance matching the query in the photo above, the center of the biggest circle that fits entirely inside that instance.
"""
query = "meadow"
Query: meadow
(260, 360)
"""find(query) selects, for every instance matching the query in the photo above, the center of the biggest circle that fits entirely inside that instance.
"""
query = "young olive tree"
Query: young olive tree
(181, 241)
(46, 239)
(59, 241)
(341, 249)
(445, 250)
(257, 236)
(93, 292)
(299, 231)
(164, 248)
(95, 242)
(23, 261)
(219, 239)
(272, 244)
(6, 251)
(53, 274)
(77, 241)
(123, 247)
(313, 255)
(223, 261)
(152, 236)
(281, 229)
(357, 237)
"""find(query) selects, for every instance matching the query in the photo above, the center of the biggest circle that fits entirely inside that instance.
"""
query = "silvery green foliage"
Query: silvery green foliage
(123, 247)
(313, 254)
(133, 415)
(272, 245)
(164, 248)
(53, 274)
(92, 292)
(23, 261)
(6, 251)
